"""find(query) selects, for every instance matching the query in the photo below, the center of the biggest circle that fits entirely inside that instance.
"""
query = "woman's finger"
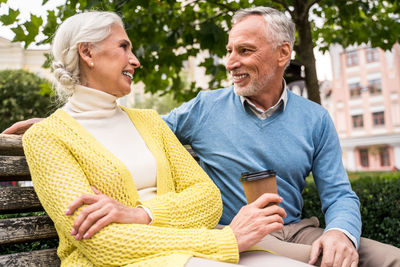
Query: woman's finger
(89, 221)
(83, 215)
(78, 202)
(100, 224)
(97, 192)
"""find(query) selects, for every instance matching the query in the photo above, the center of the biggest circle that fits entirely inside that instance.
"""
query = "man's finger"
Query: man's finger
(265, 199)
(315, 252)
(274, 209)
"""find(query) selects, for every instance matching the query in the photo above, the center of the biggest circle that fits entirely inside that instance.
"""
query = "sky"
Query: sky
(323, 62)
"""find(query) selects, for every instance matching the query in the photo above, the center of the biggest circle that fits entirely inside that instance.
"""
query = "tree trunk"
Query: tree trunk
(304, 49)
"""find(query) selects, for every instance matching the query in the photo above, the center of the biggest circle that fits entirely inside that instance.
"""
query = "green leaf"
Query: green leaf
(10, 18)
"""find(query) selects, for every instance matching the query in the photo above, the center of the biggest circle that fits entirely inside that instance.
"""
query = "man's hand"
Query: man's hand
(22, 126)
(256, 220)
(101, 210)
(337, 250)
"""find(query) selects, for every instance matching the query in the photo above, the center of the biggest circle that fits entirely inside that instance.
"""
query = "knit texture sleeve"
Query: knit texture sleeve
(59, 178)
(196, 201)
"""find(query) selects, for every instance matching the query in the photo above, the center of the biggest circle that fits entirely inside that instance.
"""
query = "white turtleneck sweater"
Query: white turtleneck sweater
(99, 113)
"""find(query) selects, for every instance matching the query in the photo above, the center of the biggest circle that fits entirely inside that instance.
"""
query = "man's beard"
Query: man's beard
(253, 87)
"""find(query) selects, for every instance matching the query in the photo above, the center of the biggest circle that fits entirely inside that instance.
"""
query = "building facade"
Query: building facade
(14, 56)
(365, 106)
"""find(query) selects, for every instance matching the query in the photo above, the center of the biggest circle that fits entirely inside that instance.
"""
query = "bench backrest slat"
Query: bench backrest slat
(18, 199)
(11, 145)
(24, 229)
(38, 258)
(13, 166)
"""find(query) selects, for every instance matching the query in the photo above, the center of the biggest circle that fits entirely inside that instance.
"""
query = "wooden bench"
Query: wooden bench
(20, 200)
(17, 200)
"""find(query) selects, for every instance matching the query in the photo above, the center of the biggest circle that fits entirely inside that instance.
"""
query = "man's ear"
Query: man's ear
(284, 54)
(86, 53)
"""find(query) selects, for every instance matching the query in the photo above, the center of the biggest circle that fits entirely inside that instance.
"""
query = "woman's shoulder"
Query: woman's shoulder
(141, 113)
(53, 124)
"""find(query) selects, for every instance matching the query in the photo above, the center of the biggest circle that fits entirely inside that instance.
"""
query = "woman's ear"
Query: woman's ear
(86, 53)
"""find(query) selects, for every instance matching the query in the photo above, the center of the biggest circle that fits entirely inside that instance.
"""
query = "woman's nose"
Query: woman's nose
(134, 61)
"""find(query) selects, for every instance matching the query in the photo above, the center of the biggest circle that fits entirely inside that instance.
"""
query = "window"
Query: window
(372, 55)
(384, 156)
(375, 86)
(355, 89)
(378, 118)
(364, 157)
(351, 58)
(358, 121)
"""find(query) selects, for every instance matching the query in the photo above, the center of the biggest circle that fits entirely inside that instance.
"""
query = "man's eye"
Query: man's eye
(124, 46)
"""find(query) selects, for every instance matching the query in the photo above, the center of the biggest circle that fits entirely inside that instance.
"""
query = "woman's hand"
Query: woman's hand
(100, 212)
(256, 220)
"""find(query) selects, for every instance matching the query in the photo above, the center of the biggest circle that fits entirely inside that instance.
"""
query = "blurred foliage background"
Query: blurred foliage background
(23, 95)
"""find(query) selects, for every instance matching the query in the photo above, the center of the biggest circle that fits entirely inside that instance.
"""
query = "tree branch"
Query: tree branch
(283, 3)
(225, 6)
(210, 18)
(189, 3)
(311, 4)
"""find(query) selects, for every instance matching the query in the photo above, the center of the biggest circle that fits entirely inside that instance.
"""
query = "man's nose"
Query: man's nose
(232, 62)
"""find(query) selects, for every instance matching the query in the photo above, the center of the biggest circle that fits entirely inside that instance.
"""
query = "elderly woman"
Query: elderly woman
(117, 183)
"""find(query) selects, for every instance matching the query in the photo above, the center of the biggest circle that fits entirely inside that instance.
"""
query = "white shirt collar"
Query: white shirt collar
(263, 114)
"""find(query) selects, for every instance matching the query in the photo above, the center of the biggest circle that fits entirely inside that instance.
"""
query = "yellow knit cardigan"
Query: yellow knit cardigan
(65, 160)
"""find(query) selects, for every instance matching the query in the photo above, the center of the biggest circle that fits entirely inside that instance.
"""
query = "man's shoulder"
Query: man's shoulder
(304, 105)
(216, 95)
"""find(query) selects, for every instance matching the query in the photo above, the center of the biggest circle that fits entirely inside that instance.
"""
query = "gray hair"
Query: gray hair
(88, 27)
(279, 28)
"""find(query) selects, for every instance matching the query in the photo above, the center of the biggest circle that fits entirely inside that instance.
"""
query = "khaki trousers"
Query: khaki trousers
(295, 240)
(249, 259)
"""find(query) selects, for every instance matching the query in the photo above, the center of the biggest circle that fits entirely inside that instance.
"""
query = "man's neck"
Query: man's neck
(267, 98)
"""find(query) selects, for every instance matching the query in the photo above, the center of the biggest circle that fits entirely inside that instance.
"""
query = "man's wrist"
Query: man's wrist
(349, 236)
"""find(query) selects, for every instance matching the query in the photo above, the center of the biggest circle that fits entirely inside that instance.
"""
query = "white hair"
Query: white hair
(87, 27)
(279, 28)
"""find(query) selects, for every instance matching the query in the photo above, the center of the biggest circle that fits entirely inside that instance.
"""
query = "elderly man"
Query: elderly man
(258, 124)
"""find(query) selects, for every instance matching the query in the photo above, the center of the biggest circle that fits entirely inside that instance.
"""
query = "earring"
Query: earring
(91, 64)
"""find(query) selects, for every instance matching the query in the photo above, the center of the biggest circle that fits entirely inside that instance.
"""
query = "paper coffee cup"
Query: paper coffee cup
(257, 183)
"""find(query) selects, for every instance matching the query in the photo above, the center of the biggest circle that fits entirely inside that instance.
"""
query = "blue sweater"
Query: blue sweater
(294, 141)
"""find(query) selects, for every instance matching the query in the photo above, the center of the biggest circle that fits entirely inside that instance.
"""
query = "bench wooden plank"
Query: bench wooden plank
(13, 166)
(37, 258)
(26, 229)
(11, 145)
(18, 199)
